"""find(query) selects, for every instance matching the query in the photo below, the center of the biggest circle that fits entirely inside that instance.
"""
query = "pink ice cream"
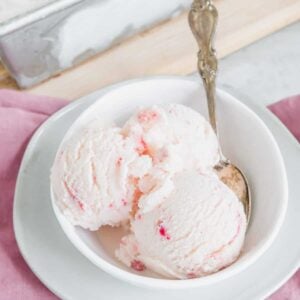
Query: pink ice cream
(197, 230)
(94, 176)
(157, 174)
(175, 136)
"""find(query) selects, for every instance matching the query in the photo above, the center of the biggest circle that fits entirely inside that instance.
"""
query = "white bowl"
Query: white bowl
(245, 140)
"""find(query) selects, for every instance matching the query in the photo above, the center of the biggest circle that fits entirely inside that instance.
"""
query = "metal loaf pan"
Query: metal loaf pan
(39, 44)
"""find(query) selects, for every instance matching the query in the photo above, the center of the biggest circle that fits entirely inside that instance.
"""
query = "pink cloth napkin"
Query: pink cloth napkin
(288, 111)
(20, 115)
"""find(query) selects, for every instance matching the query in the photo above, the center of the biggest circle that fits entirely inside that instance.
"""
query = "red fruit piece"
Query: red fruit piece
(119, 161)
(142, 147)
(72, 194)
(81, 205)
(162, 231)
(191, 275)
(137, 265)
(146, 116)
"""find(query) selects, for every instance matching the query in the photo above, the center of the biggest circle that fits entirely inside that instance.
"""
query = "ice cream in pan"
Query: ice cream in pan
(156, 172)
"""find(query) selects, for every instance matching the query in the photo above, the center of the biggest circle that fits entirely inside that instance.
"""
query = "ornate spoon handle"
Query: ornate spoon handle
(203, 18)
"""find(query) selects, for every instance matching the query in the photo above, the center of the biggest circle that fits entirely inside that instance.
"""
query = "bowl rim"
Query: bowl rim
(161, 283)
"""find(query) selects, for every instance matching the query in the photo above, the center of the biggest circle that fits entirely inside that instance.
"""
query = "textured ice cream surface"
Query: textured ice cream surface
(155, 187)
(157, 173)
(175, 136)
(94, 174)
(198, 230)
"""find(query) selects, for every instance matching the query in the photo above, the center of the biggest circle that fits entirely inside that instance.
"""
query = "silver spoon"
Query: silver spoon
(203, 20)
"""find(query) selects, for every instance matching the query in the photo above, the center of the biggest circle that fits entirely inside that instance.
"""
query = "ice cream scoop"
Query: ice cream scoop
(198, 230)
(94, 176)
(175, 136)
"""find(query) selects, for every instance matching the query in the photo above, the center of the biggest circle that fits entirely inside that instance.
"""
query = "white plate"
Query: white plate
(71, 276)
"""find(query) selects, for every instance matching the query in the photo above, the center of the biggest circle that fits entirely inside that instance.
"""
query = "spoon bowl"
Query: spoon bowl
(237, 182)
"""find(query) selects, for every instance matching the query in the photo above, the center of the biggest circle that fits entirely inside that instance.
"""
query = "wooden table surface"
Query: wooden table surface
(169, 48)
(5, 80)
